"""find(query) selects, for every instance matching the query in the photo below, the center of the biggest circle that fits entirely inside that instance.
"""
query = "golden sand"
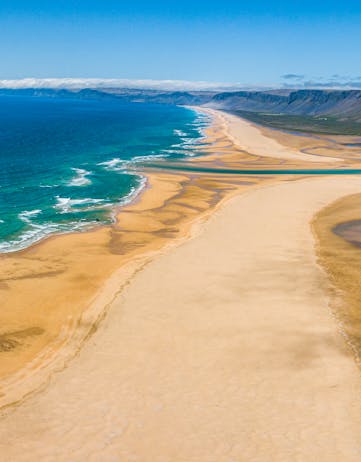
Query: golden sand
(53, 294)
(49, 292)
(342, 261)
(221, 349)
(260, 142)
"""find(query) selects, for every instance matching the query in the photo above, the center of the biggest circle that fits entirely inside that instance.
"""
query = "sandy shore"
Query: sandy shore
(337, 228)
(222, 349)
(250, 138)
(53, 295)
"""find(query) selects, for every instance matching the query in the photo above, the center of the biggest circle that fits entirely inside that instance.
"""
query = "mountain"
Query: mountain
(340, 104)
(337, 103)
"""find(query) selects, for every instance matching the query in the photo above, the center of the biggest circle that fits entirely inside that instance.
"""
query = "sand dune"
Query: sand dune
(223, 349)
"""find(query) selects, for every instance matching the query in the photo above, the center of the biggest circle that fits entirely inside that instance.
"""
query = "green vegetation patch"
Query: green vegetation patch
(304, 124)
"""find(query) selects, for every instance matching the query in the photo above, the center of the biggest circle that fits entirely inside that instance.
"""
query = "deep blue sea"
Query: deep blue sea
(65, 163)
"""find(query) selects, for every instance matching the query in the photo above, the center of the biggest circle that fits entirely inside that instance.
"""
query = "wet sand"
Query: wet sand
(53, 295)
(220, 348)
(251, 138)
(338, 232)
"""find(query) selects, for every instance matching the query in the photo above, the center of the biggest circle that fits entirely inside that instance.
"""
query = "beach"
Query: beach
(204, 331)
(261, 142)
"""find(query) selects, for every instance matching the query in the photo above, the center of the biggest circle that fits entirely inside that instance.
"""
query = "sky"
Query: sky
(255, 43)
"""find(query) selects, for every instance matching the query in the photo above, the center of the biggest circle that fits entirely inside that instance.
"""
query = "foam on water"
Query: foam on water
(81, 178)
(28, 214)
(38, 232)
(120, 165)
(115, 164)
(180, 133)
(66, 204)
(106, 141)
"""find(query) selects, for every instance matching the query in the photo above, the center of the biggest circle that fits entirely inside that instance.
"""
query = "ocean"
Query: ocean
(66, 163)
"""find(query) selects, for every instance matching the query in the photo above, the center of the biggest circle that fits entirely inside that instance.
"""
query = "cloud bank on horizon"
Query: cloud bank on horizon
(290, 80)
(78, 83)
(336, 81)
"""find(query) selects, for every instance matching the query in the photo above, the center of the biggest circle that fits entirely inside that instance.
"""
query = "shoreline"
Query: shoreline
(243, 133)
(115, 208)
(94, 314)
(94, 266)
(203, 358)
(35, 344)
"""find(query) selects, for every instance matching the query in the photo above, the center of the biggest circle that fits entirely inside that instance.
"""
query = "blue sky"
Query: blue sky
(251, 42)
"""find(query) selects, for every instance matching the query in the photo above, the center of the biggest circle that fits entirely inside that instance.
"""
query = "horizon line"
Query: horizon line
(75, 83)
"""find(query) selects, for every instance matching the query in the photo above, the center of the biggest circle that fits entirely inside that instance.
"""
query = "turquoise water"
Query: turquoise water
(65, 163)
(228, 171)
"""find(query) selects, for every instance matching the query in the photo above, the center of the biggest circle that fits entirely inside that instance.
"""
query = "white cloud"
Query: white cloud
(76, 84)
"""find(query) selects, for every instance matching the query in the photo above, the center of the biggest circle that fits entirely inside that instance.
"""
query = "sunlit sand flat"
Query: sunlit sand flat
(252, 139)
(180, 231)
(205, 330)
(221, 349)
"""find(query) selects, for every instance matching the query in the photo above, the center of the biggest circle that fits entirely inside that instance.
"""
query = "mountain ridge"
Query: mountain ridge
(341, 104)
